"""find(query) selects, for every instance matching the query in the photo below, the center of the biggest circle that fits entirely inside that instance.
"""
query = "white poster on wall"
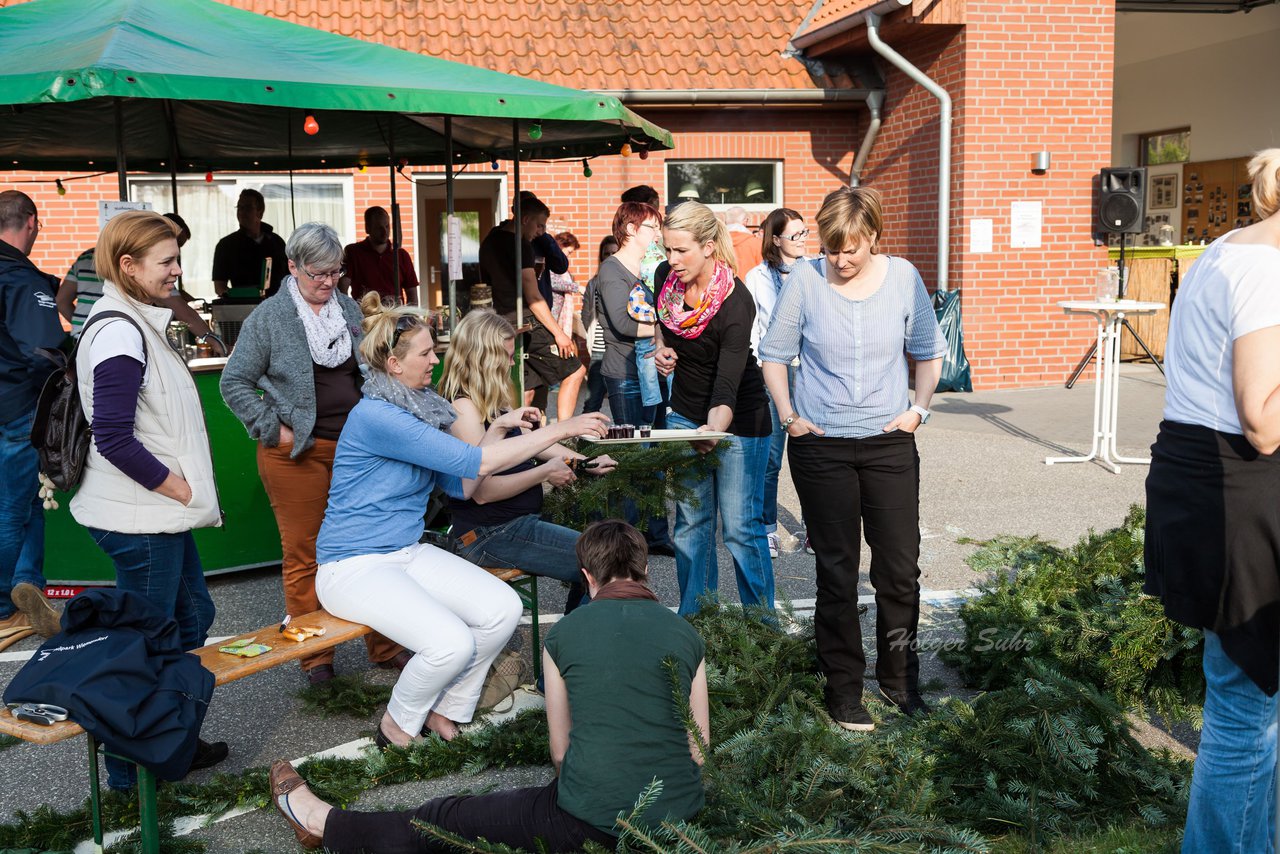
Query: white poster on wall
(108, 210)
(981, 235)
(1026, 221)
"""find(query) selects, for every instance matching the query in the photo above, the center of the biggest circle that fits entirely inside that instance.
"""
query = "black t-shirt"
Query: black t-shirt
(498, 266)
(239, 259)
(337, 393)
(469, 515)
(718, 369)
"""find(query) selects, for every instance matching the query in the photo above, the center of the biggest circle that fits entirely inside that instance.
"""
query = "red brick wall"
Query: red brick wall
(1023, 78)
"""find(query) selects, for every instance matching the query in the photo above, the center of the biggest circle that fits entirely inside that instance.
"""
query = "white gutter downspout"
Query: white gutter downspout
(874, 101)
(944, 154)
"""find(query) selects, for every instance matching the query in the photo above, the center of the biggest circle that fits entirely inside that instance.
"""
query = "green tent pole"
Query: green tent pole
(395, 210)
(173, 154)
(515, 212)
(448, 206)
(121, 166)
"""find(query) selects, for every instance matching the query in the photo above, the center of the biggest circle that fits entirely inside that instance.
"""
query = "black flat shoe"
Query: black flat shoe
(380, 739)
(663, 549)
(208, 754)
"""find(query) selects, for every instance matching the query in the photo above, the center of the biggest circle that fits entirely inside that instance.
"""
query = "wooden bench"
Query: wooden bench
(230, 668)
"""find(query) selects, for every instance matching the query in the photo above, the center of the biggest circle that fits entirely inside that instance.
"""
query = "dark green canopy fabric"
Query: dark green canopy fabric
(227, 88)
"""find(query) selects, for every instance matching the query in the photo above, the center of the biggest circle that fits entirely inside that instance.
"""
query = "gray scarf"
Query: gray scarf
(424, 404)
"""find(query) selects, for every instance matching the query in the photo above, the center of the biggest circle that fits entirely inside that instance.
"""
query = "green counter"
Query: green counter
(248, 536)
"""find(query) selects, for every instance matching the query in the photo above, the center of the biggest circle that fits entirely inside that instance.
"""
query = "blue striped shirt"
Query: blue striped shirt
(853, 368)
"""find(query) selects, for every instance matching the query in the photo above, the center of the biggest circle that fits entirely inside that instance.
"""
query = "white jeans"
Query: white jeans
(451, 614)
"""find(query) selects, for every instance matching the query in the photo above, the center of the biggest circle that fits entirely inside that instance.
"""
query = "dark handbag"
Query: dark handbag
(59, 432)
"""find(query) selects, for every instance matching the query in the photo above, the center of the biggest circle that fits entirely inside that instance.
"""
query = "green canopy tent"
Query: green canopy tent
(195, 85)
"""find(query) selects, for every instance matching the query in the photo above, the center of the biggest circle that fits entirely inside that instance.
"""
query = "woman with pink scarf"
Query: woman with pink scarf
(707, 315)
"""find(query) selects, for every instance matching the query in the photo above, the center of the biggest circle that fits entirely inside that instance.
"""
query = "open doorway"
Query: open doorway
(476, 202)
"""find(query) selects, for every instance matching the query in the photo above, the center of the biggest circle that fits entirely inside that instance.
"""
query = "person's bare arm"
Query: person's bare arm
(188, 315)
(559, 720)
(775, 378)
(701, 709)
(469, 427)
(221, 286)
(66, 297)
(927, 375)
(1255, 379)
(538, 307)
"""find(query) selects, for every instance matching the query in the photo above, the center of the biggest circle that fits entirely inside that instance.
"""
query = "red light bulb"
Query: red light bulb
(311, 126)
(208, 177)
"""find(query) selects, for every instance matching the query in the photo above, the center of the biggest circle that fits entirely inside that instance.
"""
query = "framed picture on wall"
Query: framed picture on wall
(1164, 191)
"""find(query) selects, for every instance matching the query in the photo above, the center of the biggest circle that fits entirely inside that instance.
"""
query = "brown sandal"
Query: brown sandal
(284, 779)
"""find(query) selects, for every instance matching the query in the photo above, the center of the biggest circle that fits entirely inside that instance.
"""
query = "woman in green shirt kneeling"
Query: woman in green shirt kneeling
(614, 728)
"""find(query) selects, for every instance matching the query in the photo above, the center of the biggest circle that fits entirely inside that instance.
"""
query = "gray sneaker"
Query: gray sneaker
(30, 601)
(853, 717)
(773, 543)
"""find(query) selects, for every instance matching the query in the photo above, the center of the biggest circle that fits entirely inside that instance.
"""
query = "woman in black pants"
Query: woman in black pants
(852, 447)
(608, 664)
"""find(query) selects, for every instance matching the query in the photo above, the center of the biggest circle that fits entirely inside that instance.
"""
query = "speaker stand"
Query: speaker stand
(1093, 348)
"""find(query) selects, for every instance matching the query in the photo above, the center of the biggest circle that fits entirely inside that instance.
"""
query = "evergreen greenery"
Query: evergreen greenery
(1080, 610)
(350, 694)
(651, 477)
(1044, 759)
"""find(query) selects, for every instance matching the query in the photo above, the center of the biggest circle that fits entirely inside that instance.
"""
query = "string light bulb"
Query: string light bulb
(363, 167)
(494, 164)
(62, 191)
(586, 169)
(625, 151)
(535, 132)
(311, 126)
(208, 177)
(644, 154)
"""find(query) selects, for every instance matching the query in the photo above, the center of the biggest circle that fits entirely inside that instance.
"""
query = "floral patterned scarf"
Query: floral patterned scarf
(692, 323)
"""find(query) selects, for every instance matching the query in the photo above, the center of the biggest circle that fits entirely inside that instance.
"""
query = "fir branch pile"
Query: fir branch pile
(651, 477)
(1045, 760)
(1080, 610)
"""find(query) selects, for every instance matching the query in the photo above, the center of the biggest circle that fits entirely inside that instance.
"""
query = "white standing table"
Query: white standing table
(1106, 389)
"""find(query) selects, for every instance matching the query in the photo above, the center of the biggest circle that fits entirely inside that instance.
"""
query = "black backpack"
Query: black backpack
(60, 433)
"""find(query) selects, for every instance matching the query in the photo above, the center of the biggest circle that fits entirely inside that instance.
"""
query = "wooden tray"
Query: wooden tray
(663, 436)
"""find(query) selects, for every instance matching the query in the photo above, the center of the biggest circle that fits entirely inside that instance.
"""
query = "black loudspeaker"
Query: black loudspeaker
(1121, 200)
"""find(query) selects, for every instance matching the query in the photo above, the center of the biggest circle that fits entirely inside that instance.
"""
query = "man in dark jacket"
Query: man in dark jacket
(28, 320)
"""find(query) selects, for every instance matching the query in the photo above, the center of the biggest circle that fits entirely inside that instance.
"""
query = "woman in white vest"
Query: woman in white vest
(148, 480)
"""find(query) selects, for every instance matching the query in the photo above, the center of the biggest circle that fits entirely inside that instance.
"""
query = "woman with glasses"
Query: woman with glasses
(394, 451)
(293, 378)
(706, 315)
(852, 448)
(784, 242)
(636, 226)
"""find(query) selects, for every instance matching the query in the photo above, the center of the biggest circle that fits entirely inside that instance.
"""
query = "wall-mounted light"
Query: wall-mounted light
(1040, 162)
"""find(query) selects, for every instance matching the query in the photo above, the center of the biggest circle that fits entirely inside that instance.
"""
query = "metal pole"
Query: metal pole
(395, 210)
(173, 155)
(515, 212)
(448, 206)
(121, 166)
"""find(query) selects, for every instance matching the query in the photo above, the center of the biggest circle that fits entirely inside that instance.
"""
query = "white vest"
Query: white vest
(169, 423)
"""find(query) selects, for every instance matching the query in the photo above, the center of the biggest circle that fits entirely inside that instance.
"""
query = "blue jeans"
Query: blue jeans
(733, 492)
(533, 545)
(654, 389)
(21, 511)
(626, 407)
(1232, 809)
(595, 387)
(165, 568)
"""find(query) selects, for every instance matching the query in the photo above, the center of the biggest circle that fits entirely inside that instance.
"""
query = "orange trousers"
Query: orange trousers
(299, 492)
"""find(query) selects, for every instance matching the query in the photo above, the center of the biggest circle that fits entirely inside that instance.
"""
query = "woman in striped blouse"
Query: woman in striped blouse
(852, 446)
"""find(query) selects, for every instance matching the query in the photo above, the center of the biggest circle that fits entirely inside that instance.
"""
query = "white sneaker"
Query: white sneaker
(807, 547)
(773, 543)
(787, 542)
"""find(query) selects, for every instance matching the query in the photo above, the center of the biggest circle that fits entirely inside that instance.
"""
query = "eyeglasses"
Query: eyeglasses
(327, 276)
(798, 236)
(403, 325)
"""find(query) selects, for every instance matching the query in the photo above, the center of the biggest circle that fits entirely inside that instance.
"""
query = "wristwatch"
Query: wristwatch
(921, 411)
(791, 419)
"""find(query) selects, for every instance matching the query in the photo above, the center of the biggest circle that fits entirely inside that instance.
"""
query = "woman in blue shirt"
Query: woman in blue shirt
(392, 453)
(852, 446)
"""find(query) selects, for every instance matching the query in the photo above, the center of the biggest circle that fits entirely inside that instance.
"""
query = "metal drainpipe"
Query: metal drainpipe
(944, 145)
(874, 101)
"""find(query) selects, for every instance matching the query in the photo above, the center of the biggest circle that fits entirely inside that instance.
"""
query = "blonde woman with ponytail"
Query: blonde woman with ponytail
(500, 524)
(707, 315)
(394, 450)
(1213, 535)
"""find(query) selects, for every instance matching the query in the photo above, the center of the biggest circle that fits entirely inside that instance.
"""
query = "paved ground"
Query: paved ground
(983, 474)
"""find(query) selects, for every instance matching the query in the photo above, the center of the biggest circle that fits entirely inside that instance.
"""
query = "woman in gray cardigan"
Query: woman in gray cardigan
(292, 378)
